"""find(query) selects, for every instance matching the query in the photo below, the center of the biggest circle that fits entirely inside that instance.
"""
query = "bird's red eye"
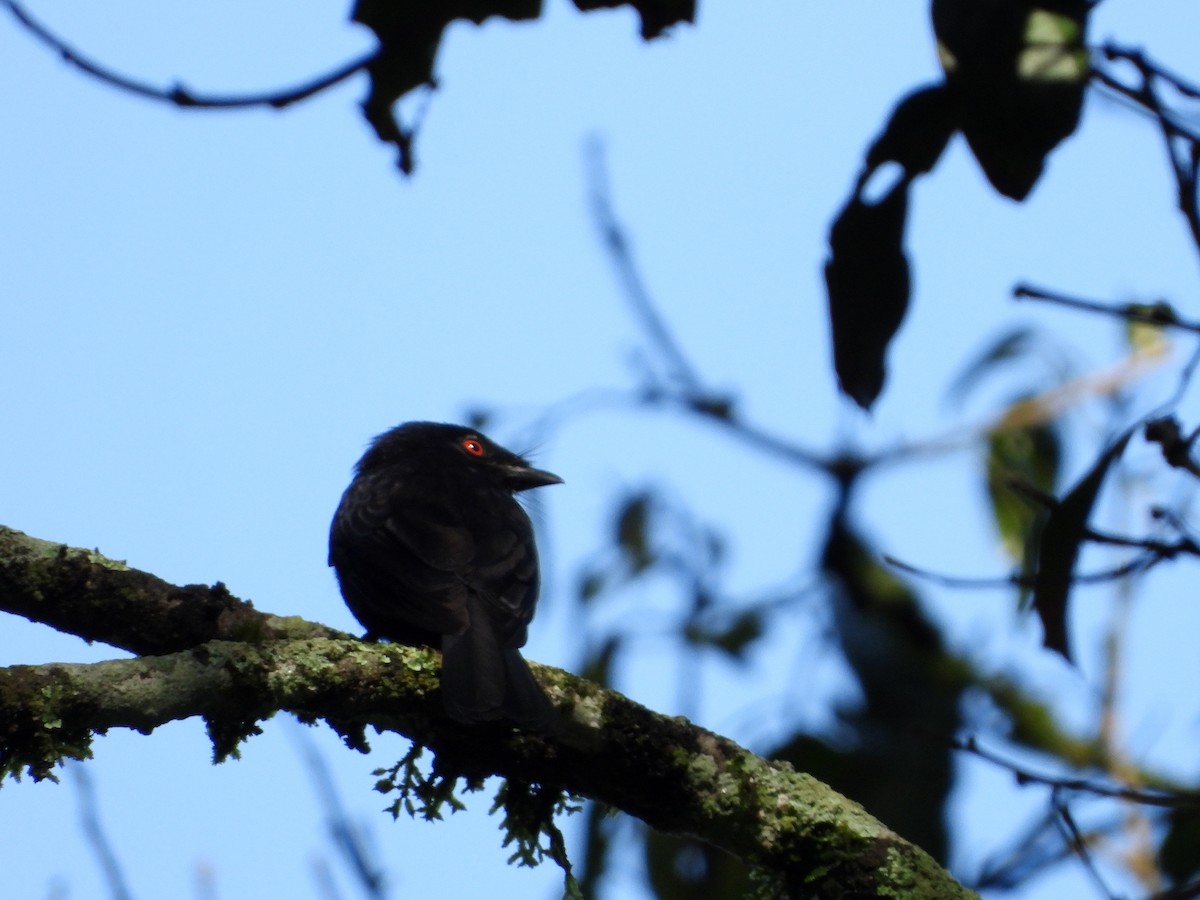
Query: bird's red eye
(473, 446)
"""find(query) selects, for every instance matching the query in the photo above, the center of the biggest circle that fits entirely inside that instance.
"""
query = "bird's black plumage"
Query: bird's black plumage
(431, 547)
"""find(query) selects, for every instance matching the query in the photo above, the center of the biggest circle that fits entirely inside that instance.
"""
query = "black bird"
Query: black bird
(432, 548)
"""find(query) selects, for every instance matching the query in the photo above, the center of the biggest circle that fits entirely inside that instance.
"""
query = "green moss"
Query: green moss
(33, 736)
(96, 558)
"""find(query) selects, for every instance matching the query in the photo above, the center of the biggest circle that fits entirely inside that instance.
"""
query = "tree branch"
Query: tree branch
(673, 775)
(84, 593)
(178, 95)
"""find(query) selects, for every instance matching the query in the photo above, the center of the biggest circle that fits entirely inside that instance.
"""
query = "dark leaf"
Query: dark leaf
(917, 132)
(410, 33)
(657, 15)
(867, 273)
(1059, 548)
(867, 279)
(1016, 71)
(1179, 854)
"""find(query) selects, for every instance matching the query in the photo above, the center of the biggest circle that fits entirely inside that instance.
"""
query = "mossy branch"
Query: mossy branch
(666, 771)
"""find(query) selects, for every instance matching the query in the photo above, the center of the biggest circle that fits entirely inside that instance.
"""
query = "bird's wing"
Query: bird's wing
(504, 574)
(400, 559)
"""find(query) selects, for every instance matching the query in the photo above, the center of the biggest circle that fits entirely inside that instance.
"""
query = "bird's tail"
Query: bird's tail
(484, 681)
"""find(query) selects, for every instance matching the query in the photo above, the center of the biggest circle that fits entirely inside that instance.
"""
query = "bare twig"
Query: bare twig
(952, 581)
(1078, 842)
(1185, 160)
(1161, 549)
(1167, 799)
(89, 814)
(682, 386)
(179, 95)
(347, 837)
(617, 245)
(1138, 564)
(1161, 314)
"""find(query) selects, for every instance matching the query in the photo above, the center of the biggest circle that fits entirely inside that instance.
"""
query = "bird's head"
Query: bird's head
(441, 447)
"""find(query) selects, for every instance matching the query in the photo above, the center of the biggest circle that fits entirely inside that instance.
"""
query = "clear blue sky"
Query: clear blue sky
(207, 315)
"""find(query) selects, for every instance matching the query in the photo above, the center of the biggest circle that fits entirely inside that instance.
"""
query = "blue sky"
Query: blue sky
(207, 315)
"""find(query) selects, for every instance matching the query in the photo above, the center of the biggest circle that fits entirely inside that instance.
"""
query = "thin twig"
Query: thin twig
(1033, 854)
(1160, 314)
(179, 95)
(1112, 51)
(1078, 842)
(1186, 165)
(1143, 796)
(953, 581)
(1140, 563)
(1162, 549)
(682, 386)
(347, 837)
(617, 245)
(89, 814)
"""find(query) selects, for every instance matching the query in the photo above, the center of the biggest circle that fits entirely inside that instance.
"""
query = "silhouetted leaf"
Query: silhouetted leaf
(409, 35)
(1016, 70)
(867, 273)
(1059, 548)
(868, 282)
(917, 132)
(656, 15)
(1179, 853)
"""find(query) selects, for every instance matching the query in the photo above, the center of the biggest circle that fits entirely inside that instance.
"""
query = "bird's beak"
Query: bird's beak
(522, 478)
